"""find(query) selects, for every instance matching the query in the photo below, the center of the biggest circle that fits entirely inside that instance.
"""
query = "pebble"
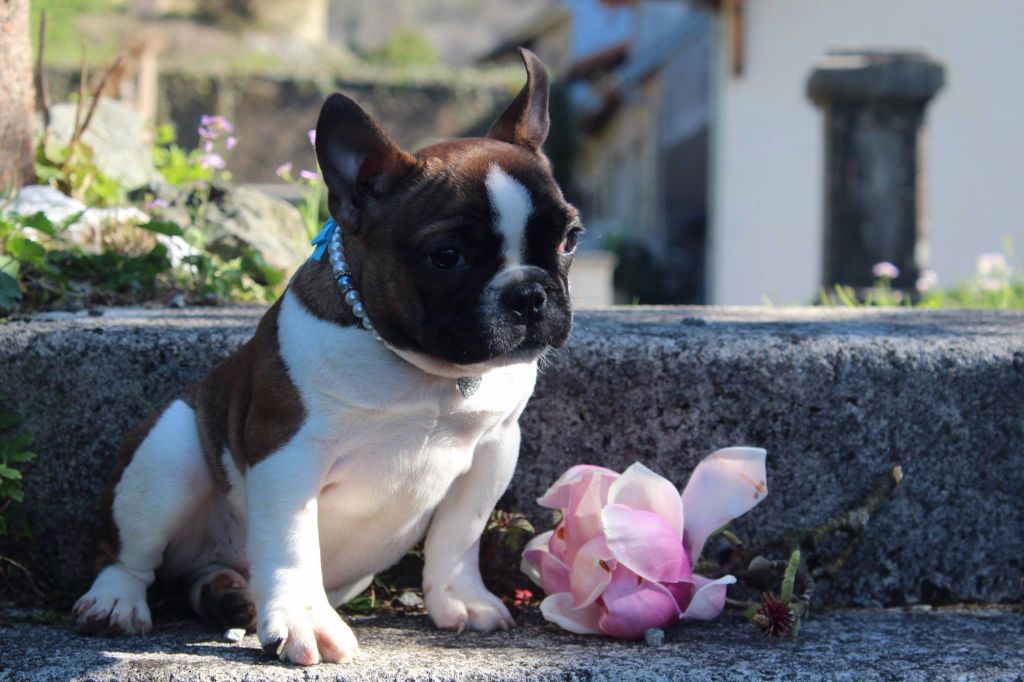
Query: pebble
(235, 634)
(654, 636)
(410, 599)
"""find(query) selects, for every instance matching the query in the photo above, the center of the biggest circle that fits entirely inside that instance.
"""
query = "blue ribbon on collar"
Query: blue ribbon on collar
(322, 238)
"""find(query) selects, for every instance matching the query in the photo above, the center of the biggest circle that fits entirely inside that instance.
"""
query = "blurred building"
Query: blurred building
(648, 116)
(641, 99)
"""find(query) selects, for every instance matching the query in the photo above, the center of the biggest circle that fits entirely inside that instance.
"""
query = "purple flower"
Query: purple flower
(885, 270)
(284, 170)
(308, 174)
(157, 204)
(620, 560)
(212, 161)
(927, 281)
(311, 134)
(231, 142)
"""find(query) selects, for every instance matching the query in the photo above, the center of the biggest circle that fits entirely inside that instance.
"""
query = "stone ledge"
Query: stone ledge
(836, 396)
(861, 645)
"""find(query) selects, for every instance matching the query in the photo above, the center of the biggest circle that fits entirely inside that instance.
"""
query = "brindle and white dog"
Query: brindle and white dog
(319, 454)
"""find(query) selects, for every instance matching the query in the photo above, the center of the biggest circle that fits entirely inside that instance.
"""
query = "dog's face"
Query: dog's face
(461, 252)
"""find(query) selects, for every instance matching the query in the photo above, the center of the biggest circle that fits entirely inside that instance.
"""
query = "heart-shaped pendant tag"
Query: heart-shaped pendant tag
(468, 385)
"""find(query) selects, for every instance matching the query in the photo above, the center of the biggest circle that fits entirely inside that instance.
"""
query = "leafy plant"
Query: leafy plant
(996, 284)
(14, 451)
(510, 528)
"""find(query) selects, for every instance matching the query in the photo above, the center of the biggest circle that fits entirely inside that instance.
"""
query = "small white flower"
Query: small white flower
(885, 270)
(927, 281)
(993, 265)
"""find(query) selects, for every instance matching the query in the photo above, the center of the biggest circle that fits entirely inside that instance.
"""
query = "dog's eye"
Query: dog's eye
(572, 239)
(447, 258)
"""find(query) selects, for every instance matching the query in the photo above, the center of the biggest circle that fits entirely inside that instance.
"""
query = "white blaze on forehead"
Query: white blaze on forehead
(512, 208)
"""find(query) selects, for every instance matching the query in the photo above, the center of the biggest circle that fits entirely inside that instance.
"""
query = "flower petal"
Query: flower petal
(583, 516)
(726, 484)
(591, 572)
(530, 563)
(634, 604)
(709, 598)
(557, 496)
(641, 488)
(557, 608)
(543, 567)
(644, 543)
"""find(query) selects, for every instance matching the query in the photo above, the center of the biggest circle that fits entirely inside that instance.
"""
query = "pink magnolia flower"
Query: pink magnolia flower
(621, 559)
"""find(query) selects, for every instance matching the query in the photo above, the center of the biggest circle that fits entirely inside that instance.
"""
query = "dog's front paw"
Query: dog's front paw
(456, 607)
(115, 605)
(305, 633)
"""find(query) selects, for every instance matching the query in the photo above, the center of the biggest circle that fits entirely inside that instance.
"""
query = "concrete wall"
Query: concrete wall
(767, 157)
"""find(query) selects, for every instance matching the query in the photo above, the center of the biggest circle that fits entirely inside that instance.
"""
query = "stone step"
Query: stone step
(848, 645)
(836, 396)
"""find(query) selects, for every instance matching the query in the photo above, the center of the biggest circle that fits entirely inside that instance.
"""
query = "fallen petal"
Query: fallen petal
(726, 484)
(644, 543)
(591, 572)
(709, 598)
(632, 605)
(641, 488)
(557, 608)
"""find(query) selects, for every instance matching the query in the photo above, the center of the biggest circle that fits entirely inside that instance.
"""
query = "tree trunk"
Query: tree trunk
(17, 96)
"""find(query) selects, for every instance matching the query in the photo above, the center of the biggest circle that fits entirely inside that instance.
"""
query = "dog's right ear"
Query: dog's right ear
(359, 161)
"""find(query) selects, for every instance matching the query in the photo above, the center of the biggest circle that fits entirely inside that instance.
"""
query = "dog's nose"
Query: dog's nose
(526, 300)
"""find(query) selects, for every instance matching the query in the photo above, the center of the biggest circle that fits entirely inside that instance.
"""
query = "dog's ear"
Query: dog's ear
(359, 161)
(525, 121)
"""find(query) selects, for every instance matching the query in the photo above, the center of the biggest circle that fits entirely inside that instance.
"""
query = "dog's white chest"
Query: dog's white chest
(391, 439)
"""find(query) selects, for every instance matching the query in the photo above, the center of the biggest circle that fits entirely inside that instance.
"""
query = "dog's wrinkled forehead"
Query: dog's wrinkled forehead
(513, 190)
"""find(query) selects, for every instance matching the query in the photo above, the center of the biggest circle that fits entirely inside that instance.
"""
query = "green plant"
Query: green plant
(996, 284)
(179, 167)
(313, 204)
(14, 451)
(406, 46)
(510, 528)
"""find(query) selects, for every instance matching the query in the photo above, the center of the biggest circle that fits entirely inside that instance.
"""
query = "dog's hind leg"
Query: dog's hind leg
(161, 482)
(221, 596)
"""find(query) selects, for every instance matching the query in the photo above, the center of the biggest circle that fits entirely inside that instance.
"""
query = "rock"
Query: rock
(119, 137)
(836, 396)
(237, 218)
(654, 636)
(850, 645)
(59, 208)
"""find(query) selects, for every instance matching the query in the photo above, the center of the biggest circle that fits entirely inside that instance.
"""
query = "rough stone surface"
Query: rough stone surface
(836, 396)
(837, 646)
(119, 137)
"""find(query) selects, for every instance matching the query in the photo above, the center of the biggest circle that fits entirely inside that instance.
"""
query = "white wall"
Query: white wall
(767, 155)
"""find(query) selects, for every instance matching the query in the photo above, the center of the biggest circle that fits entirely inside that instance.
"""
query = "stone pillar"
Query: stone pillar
(874, 105)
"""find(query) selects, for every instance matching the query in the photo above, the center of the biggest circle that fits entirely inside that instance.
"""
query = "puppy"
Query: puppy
(377, 403)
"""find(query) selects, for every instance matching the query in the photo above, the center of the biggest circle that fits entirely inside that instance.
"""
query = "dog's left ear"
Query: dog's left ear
(358, 159)
(525, 122)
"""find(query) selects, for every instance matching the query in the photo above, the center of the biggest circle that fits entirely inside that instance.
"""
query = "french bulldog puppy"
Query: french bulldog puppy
(376, 405)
